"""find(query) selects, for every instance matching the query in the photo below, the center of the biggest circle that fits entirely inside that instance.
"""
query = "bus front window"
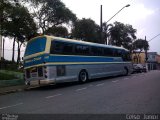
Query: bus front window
(35, 46)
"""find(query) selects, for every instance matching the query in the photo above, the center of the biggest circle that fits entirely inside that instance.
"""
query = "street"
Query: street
(136, 93)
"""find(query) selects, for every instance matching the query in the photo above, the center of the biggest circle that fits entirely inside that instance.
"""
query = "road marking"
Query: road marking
(53, 96)
(100, 84)
(134, 76)
(126, 78)
(81, 89)
(115, 81)
(90, 85)
(11, 106)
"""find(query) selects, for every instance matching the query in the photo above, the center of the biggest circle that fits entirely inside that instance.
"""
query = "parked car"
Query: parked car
(138, 68)
(144, 69)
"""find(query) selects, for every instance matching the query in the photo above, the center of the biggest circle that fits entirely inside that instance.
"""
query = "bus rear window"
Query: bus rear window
(35, 46)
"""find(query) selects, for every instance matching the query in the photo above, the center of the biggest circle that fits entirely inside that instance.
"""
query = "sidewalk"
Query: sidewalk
(10, 89)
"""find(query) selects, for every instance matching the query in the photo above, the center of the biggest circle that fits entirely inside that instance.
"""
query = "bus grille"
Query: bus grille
(40, 71)
(28, 73)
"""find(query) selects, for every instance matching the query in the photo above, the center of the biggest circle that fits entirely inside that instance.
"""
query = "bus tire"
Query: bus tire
(83, 76)
(126, 71)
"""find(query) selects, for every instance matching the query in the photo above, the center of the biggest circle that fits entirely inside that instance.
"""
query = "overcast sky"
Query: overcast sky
(143, 15)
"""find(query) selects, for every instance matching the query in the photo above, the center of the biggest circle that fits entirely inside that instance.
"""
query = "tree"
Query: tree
(17, 24)
(52, 13)
(122, 35)
(87, 30)
(57, 31)
(138, 46)
(106, 31)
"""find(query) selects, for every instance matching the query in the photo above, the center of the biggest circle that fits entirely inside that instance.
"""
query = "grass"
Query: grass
(9, 75)
(10, 78)
(5, 76)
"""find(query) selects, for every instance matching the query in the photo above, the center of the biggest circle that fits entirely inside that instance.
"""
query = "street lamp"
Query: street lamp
(110, 18)
(118, 12)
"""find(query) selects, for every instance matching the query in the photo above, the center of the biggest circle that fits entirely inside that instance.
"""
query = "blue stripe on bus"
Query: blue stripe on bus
(82, 59)
(60, 58)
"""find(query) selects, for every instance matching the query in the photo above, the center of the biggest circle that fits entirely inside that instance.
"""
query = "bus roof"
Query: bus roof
(79, 42)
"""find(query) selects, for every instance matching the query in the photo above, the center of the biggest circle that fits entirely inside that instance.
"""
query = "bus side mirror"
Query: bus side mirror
(22, 58)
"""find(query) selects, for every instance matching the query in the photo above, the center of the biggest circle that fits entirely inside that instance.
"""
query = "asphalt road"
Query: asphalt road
(137, 93)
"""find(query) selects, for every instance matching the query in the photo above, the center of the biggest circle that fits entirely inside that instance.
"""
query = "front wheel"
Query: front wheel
(83, 76)
(126, 71)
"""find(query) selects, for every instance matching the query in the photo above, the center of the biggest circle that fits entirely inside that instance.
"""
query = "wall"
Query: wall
(140, 60)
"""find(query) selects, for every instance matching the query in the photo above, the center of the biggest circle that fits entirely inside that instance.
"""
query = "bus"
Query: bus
(50, 60)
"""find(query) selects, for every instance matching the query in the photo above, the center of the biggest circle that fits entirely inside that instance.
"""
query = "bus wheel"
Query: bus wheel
(83, 76)
(126, 71)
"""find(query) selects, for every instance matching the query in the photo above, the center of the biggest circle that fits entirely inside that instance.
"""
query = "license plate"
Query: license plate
(34, 74)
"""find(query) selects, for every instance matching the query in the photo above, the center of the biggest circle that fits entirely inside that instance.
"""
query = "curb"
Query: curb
(18, 89)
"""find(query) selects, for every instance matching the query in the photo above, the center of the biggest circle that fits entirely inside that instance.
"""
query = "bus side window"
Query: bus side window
(82, 49)
(114, 52)
(96, 51)
(56, 47)
(126, 56)
(68, 49)
(119, 53)
(108, 52)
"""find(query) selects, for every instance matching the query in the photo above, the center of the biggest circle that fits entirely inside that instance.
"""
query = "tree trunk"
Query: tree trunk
(13, 49)
(18, 57)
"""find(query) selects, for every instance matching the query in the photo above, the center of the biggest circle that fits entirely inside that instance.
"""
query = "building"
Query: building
(153, 61)
(158, 61)
(139, 58)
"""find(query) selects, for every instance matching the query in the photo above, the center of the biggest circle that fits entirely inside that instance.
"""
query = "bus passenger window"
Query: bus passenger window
(68, 49)
(82, 49)
(56, 47)
(96, 51)
(108, 52)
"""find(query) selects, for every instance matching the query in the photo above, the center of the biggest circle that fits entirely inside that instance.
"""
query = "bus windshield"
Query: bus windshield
(35, 46)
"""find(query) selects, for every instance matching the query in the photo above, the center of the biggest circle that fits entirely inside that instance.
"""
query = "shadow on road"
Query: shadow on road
(69, 84)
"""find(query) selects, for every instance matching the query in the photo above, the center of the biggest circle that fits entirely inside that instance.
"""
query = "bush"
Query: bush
(8, 65)
(5, 76)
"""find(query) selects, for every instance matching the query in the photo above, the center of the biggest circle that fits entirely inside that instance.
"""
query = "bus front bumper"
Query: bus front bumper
(39, 82)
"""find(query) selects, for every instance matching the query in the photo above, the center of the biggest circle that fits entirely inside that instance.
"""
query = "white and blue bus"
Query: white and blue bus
(49, 60)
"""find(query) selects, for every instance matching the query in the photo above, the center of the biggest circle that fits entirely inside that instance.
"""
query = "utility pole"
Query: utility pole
(101, 29)
(3, 47)
(146, 55)
(146, 51)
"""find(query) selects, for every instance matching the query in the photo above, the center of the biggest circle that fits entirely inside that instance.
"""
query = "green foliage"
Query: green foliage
(8, 65)
(141, 44)
(16, 23)
(10, 78)
(122, 35)
(19, 23)
(87, 30)
(5, 76)
(138, 46)
(52, 13)
(57, 31)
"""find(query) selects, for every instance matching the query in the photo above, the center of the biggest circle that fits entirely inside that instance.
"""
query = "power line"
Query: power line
(154, 37)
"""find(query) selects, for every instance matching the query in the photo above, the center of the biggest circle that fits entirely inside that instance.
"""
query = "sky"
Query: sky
(143, 15)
